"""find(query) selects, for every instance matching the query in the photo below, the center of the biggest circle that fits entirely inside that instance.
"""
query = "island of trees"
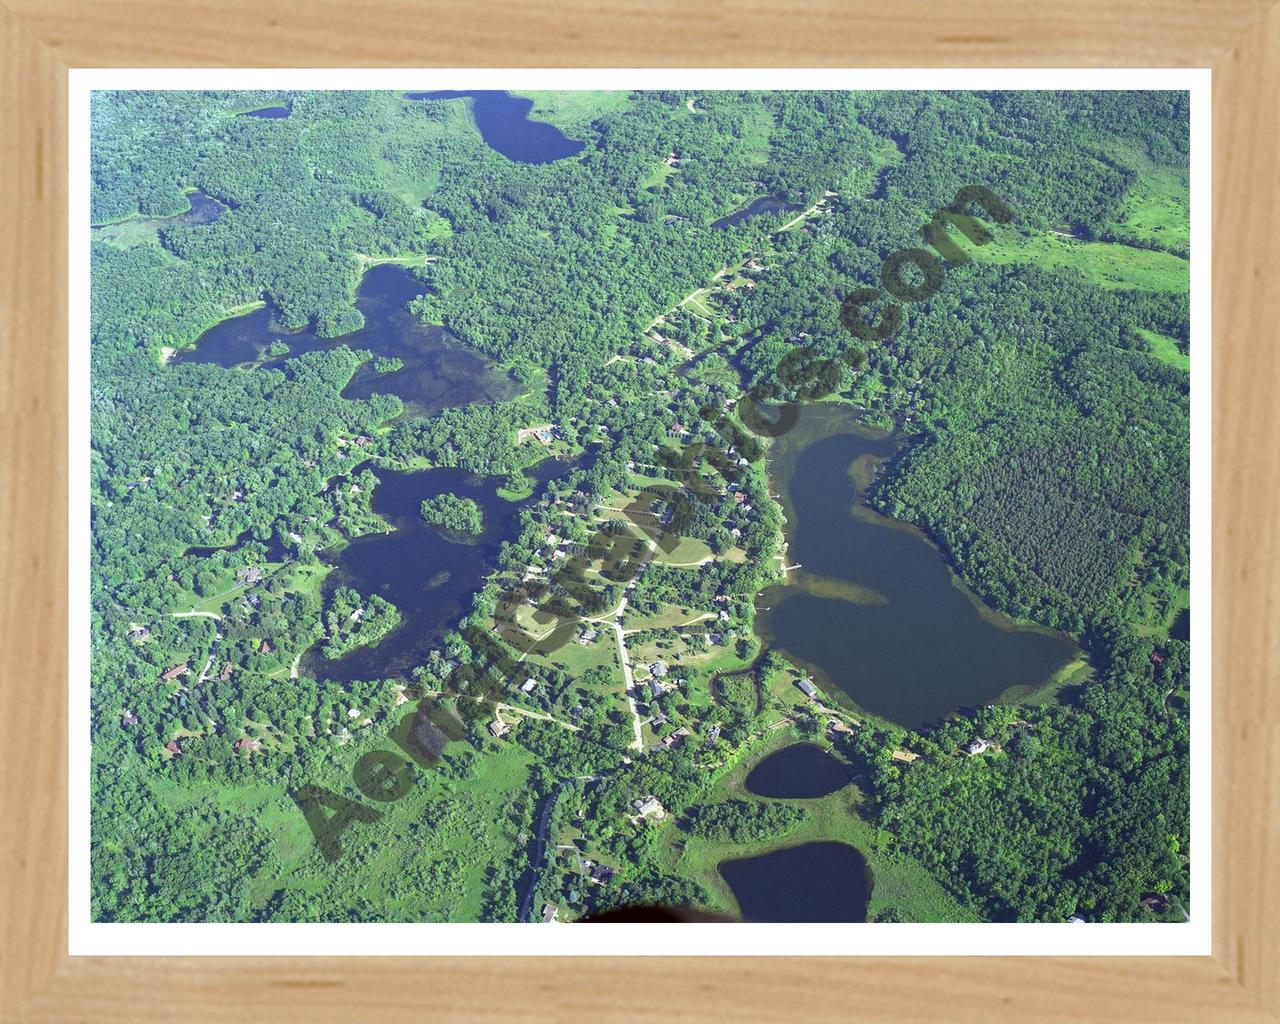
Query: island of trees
(451, 512)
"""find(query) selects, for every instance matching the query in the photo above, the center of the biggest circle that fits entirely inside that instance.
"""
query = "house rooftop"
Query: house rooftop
(649, 805)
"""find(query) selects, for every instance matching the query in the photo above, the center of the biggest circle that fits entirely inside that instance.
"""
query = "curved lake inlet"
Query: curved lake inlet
(815, 882)
(426, 575)
(800, 771)
(203, 210)
(504, 124)
(758, 207)
(886, 621)
(438, 372)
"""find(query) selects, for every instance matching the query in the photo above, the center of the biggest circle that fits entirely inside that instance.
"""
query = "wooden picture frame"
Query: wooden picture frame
(41, 39)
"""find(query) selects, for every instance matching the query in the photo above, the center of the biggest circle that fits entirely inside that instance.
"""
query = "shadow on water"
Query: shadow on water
(875, 611)
(438, 372)
(272, 550)
(813, 882)
(504, 124)
(428, 574)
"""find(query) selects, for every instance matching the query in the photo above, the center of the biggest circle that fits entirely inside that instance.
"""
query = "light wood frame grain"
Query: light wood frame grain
(41, 39)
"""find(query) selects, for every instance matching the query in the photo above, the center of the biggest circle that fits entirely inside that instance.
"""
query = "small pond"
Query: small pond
(800, 771)
(758, 207)
(807, 884)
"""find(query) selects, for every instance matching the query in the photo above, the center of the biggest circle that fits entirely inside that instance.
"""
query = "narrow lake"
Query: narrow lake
(271, 113)
(763, 205)
(504, 124)
(426, 574)
(800, 771)
(438, 371)
(874, 611)
(814, 882)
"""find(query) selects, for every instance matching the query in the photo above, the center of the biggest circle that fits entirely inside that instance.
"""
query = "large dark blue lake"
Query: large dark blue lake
(504, 124)
(875, 611)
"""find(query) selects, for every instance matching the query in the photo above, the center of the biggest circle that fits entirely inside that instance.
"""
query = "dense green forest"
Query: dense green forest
(461, 515)
(1042, 390)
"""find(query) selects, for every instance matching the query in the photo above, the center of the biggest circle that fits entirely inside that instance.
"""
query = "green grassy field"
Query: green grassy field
(1103, 263)
(575, 658)
(1159, 621)
(226, 589)
(1157, 206)
(754, 142)
(127, 233)
(440, 839)
(701, 305)
(1157, 209)
(573, 109)
(1166, 350)
(656, 178)
(669, 617)
(688, 550)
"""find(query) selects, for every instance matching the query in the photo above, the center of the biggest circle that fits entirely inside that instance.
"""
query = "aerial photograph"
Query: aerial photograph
(713, 505)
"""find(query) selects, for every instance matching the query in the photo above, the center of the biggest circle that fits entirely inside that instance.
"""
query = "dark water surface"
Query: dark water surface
(800, 771)
(814, 882)
(204, 210)
(429, 575)
(274, 113)
(765, 204)
(438, 372)
(504, 124)
(875, 610)
(274, 550)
